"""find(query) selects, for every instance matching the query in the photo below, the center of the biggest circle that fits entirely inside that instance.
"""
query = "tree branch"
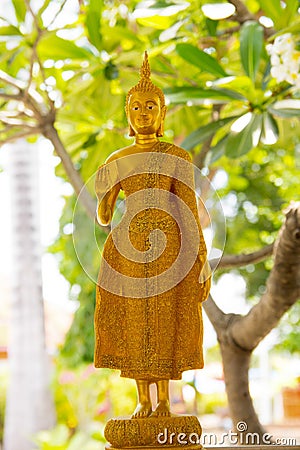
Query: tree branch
(57, 13)
(217, 317)
(242, 15)
(283, 286)
(74, 177)
(231, 261)
(19, 135)
(10, 80)
(15, 97)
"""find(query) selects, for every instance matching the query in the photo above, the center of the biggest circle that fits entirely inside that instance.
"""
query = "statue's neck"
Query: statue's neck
(146, 141)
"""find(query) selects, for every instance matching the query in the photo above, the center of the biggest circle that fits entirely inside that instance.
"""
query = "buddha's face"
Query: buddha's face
(145, 114)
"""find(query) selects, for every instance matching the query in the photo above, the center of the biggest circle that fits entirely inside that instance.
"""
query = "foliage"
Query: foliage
(289, 337)
(85, 398)
(224, 105)
(77, 350)
(3, 383)
(60, 438)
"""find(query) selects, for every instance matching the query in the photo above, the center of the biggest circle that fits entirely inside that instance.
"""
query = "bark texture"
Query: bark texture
(239, 335)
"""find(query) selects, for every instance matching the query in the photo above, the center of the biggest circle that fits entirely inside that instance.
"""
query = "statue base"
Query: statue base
(161, 447)
(154, 433)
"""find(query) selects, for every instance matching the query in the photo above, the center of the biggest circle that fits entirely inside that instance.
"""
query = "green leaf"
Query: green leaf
(118, 35)
(93, 23)
(242, 86)
(270, 131)
(290, 10)
(280, 16)
(10, 30)
(52, 46)
(158, 9)
(241, 142)
(217, 151)
(200, 96)
(293, 29)
(20, 9)
(200, 59)
(211, 26)
(286, 108)
(156, 22)
(272, 8)
(251, 45)
(91, 140)
(205, 132)
(43, 7)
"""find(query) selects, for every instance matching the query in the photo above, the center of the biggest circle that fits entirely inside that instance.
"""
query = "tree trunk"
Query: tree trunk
(29, 402)
(239, 335)
(236, 364)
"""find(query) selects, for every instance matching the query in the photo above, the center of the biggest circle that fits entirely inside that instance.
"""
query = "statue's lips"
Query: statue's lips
(144, 122)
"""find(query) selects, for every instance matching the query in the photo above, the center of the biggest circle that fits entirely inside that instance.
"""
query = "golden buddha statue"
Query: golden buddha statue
(150, 325)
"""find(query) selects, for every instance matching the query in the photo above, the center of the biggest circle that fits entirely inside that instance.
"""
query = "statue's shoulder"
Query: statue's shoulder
(173, 149)
(125, 151)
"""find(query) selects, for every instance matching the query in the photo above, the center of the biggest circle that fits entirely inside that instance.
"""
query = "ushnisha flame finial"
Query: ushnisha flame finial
(145, 71)
(145, 84)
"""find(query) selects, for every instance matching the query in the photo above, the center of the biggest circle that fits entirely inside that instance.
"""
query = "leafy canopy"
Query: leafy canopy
(79, 59)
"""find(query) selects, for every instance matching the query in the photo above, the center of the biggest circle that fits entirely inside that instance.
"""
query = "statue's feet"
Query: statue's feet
(162, 409)
(142, 410)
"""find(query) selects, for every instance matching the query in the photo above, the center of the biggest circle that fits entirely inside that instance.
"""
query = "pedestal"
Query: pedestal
(155, 433)
(161, 447)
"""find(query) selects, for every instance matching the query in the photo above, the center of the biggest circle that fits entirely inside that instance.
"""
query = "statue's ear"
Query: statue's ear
(131, 131)
(160, 131)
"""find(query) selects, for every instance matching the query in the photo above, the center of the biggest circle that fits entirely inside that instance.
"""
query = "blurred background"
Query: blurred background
(70, 64)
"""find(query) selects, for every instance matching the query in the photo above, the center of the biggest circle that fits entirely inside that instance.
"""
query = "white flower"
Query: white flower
(278, 73)
(285, 59)
(283, 43)
(275, 60)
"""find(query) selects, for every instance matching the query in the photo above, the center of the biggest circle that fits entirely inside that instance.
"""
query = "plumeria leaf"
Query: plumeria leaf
(241, 142)
(200, 59)
(10, 30)
(92, 22)
(205, 132)
(286, 108)
(157, 22)
(217, 151)
(272, 9)
(280, 15)
(159, 9)
(270, 130)
(20, 9)
(251, 45)
(64, 49)
(43, 7)
(293, 29)
(198, 96)
(290, 10)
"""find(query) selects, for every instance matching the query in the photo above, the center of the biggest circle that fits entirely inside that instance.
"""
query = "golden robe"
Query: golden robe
(148, 320)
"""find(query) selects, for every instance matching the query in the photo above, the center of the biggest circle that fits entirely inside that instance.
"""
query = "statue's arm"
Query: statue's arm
(106, 206)
(107, 189)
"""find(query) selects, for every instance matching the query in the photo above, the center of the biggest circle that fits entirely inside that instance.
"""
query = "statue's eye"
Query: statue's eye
(150, 107)
(135, 108)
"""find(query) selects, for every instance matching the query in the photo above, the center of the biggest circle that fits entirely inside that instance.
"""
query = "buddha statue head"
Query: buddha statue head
(145, 105)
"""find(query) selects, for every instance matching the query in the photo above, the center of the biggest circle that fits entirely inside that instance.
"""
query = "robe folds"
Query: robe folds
(153, 275)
